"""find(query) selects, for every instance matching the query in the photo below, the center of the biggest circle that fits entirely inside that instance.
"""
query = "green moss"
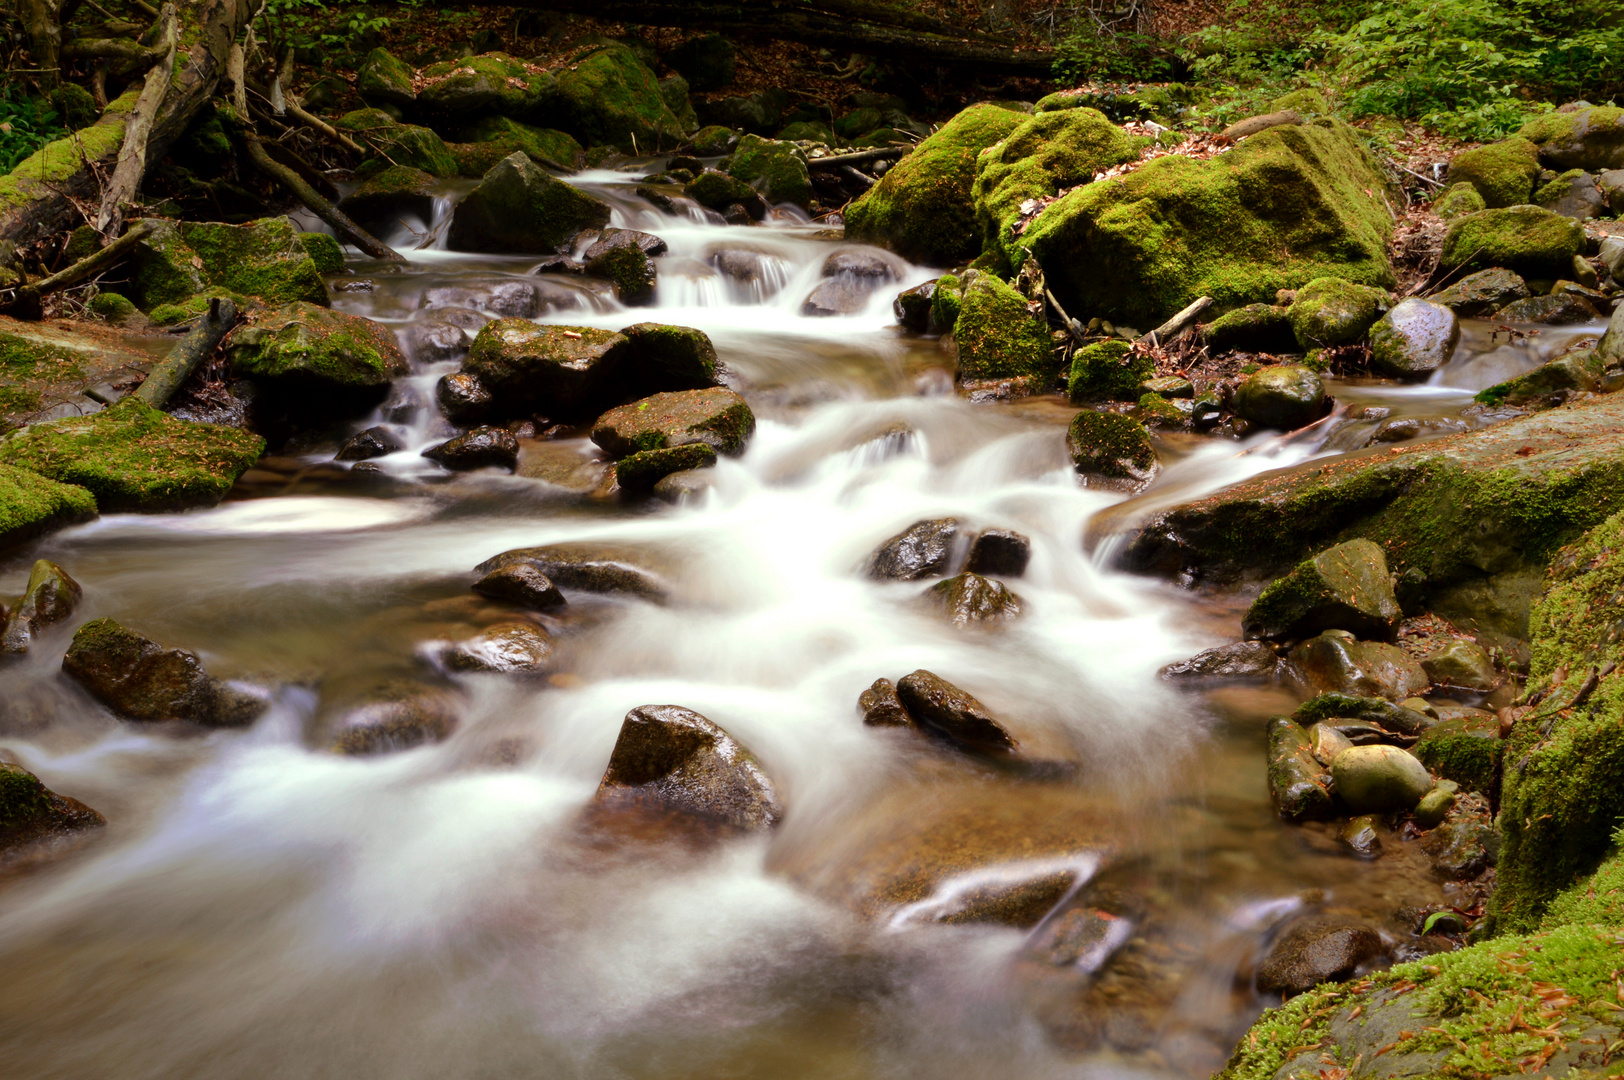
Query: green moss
(23, 799)
(1286, 206)
(1329, 312)
(110, 306)
(308, 343)
(859, 122)
(717, 190)
(1108, 371)
(1254, 327)
(56, 161)
(397, 143)
(1458, 200)
(776, 169)
(384, 77)
(495, 137)
(643, 469)
(922, 208)
(1107, 444)
(946, 300)
(324, 251)
(808, 131)
(31, 504)
(1465, 750)
(1550, 383)
(490, 83)
(1562, 185)
(631, 270)
(1598, 899)
(1535, 243)
(997, 336)
(266, 259)
(1582, 139)
(1042, 157)
(712, 141)
(1154, 407)
(611, 97)
(1309, 103)
(1503, 173)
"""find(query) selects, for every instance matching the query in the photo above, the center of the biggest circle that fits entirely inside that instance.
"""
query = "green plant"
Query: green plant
(313, 26)
(25, 125)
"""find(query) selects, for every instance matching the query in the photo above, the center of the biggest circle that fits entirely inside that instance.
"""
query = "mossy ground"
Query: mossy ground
(31, 504)
(43, 366)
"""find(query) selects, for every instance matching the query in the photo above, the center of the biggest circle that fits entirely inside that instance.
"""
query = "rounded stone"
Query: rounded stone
(1373, 779)
(1285, 396)
(1415, 339)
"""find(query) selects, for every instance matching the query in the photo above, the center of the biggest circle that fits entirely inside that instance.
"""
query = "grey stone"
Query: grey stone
(673, 758)
(1415, 339)
(924, 549)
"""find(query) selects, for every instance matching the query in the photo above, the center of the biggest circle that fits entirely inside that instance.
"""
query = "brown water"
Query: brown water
(260, 908)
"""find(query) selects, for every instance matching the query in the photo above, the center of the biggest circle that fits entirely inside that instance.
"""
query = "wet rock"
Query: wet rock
(1463, 846)
(912, 307)
(561, 264)
(483, 447)
(30, 812)
(50, 597)
(1299, 785)
(513, 299)
(881, 707)
(374, 442)
(1560, 310)
(1476, 295)
(1327, 741)
(1435, 805)
(522, 584)
(715, 417)
(520, 208)
(643, 470)
(140, 680)
(1108, 371)
(717, 191)
(602, 568)
(398, 716)
(1375, 710)
(953, 715)
(315, 360)
(665, 357)
(1346, 587)
(463, 398)
(434, 341)
(1285, 396)
(1465, 749)
(774, 167)
(1111, 447)
(1337, 662)
(516, 647)
(1404, 428)
(924, 549)
(753, 268)
(382, 199)
(1362, 836)
(674, 758)
(562, 372)
(1083, 938)
(849, 278)
(1306, 956)
(1415, 339)
(1001, 552)
(681, 487)
(1329, 311)
(1375, 779)
(1241, 660)
(1461, 663)
(625, 257)
(972, 600)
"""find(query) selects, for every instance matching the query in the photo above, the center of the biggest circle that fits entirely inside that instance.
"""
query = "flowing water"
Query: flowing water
(257, 907)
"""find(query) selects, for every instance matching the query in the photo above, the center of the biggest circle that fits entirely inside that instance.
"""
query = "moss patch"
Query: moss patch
(491, 83)
(997, 337)
(1106, 444)
(398, 144)
(611, 97)
(1503, 173)
(776, 169)
(324, 251)
(317, 346)
(1535, 243)
(31, 504)
(266, 259)
(495, 137)
(1108, 371)
(57, 161)
(1463, 749)
(1597, 899)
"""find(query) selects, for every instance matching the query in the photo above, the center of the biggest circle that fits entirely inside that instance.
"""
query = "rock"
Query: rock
(1326, 742)
(1403, 428)
(674, 92)
(383, 198)
(673, 758)
(1375, 779)
(1307, 955)
(562, 372)
(180, 261)
(1108, 371)
(849, 278)
(1299, 785)
(707, 61)
(483, 447)
(949, 713)
(1000, 552)
(1611, 184)
(315, 360)
(717, 191)
(997, 337)
(1284, 396)
(598, 568)
(463, 398)
(324, 251)
(1416, 338)
(1456, 200)
(1336, 662)
(1329, 311)
(643, 470)
(138, 679)
(1362, 836)
(1503, 173)
(1587, 138)
(776, 169)
(1252, 328)
(912, 307)
(491, 138)
(972, 600)
(521, 584)
(1526, 239)
(384, 80)
(1574, 194)
(1241, 660)
(398, 716)
(625, 257)
(399, 144)
(1461, 664)
(520, 208)
(1611, 346)
(434, 341)
(51, 596)
(611, 98)
(1346, 587)
(131, 457)
(683, 487)
(490, 83)
(1465, 749)
(30, 812)
(1479, 294)
(881, 707)
(665, 357)
(32, 505)
(922, 207)
(507, 648)
(760, 112)
(374, 442)
(1338, 707)
(1435, 805)
(924, 549)
(1562, 310)
(716, 417)
(1110, 446)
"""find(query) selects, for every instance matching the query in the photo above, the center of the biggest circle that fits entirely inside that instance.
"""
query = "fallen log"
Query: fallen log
(132, 155)
(27, 303)
(188, 352)
(861, 157)
(308, 195)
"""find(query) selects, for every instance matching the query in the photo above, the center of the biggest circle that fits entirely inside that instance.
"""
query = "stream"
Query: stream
(260, 907)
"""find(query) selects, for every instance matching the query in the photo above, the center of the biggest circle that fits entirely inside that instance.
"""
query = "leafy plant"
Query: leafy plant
(25, 125)
(311, 27)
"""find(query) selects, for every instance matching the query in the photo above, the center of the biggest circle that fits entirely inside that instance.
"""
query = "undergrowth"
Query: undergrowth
(26, 124)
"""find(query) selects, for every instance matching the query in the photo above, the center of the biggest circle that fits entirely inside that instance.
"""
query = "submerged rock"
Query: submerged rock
(882, 707)
(972, 600)
(514, 647)
(673, 758)
(1346, 587)
(1307, 955)
(1299, 784)
(924, 549)
(1375, 779)
(397, 716)
(953, 715)
(1337, 662)
(30, 812)
(1241, 660)
(140, 680)
(50, 597)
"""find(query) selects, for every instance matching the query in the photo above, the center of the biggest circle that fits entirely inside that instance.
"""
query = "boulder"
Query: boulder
(375, 442)
(1413, 340)
(1300, 786)
(379, 202)
(1335, 662)
(626, 257)
(30, 812)
(1465, 749)
(480, 448)
(1346, 587)
(463, 398)
(774, 168)
(1000, 552)
(922, 207)
(1562, 309)
(1458, 199)
(882, 707)
(520, 208)
(182, 260)
(1574, 194)
(1479, 294)
(849, 278)
(1309, 954)
(611, 98)
(50, 597)
(395, 716)
(1376, 779)
(383, 79)
(972, 600)
(947, 712)
(707, 62)
(760, 112)
(595, 568)
(138, 679)
(1108, 371)
(1111, 446)
(1503, 173)
(1327, 741)
(714, 140)
(398, 144)
(674, 91)
(32, 505)
(1282, 396)
(1462, 664)
(671, 758)
(715, 417)
(1178, 228)
(1591, 138)
(506, 648)
(665, 357)
(1252, 328)
(997, 337)
(1240, 660)
(133, 457)
(317, 360)
(643, 470)
(489, 139)
(1529, 240)
(924, 549)
(913, 308)
(522, 584)
(718, 191)
(481, 85)
(1329, 311)
(565, 373)
(1611, 346)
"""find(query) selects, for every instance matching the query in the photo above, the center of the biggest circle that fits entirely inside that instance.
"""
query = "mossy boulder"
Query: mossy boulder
(1550, 384)
(492, 138)
(946, 301)
(318, 355)
(1590, 138)
(1252, 328)
(1282, 396)
(113, 307)
(141, 680)
(713, 141)
(521, 208)
(398, 144)
(1044, 156)
(610, 96)
(1529, 240)
(1286, 206)
(625, 257)
(30, 812)
(32, 505)
(133, 457)
(1120, 104)
(922, 207)
(265, 259)
(808, 131)
(561, 372)
(776, 169)
(1458, 200)
(1111, 446)
(324, 251)
(1465, 749)
(482, 85)
(1329, 311)
(1108, 371)
(382, 198)
(998, 338)
(666, 357)
(718, 191)
(1309, 102)
(1503, 173)
(717, 417)
(384, 79)
(1345, 587)
(49, 598)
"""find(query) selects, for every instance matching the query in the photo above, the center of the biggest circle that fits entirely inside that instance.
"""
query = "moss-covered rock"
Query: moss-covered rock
(808, 131)
(610, 96)
(922, 208)
(1598, 899)
(398, 144)
(1108, 371)
(1458, 200)
(111, 307)
(625, 257)
(1503, 173)
(493, 138)
(32, 505)
(1252, 328)
(31, 812)
(1345, 587)
(1329, 311)
(324, 251)
(716, 190)
(946, 301)
(776, 169)
(1551, 383)
(1482, 293)
(713, 140)
(1590, 138)
(314, 352)
(1283, 396)
(997, 336)
(382, 198)
(265, 259)
(716, 417)
(1465, 749)
(1121, 104)
(384, 79)
(666, 357)
(482, 85)
(520, 208)
(1108, 445)
(1284, 207)
(133, 457)
(1048, 154)
(1526, 239)
(141, 680)
(640, 471)
(561, 372)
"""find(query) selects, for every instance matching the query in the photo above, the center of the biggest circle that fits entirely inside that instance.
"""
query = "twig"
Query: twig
(859, 158)
(1179, 323)
(1418, 176)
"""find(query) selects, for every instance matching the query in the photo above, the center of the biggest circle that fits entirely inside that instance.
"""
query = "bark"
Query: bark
(189, 352)
(132, 156)
(1179, 323)
(44, 26)
(308, 195)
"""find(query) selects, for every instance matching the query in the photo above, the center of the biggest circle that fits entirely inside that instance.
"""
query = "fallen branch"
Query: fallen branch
(130, 56)
(27, 303)
(293, 105)
(132, 156)
(308, 195)
(1179, 323)
(862, 157)
(188, 352)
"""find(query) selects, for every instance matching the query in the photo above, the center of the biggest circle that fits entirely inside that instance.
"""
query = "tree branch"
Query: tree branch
(308, 195)
(132, 156)
(188, 352)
